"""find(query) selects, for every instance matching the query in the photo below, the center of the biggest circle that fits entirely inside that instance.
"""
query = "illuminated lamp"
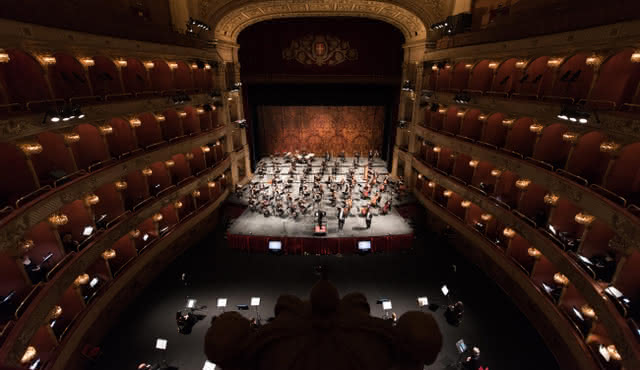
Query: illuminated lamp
(196, 193)
(588, 311)
(207, 66)
(536, 128)
(468, 66)
(551, 199)
(205, 149)
(108, 254)
(473, 163)
(200, 110)
(521, 64)
(584, 218)
(486, 217)
(47, 59)
(570, 137)
(461, 113)
(28, 355)
(91, 200)
(508, 122)
(437, 149)
(431, 184)
(135, 233)
(135, 122)
(194, 66)
(442, 110)
(523, 183)
(31, 148)
(149, 65)
(534, 253)
(447, 193)
(87, 62)
(434, 67)
(560, 279)
(188, 156)
(211, 184)
(182, 114)
(508, 232)
(230, 98)
(482, 117)
(554, 62)
(178, 204)
(4, 56)
(121, 185)
(222, 176)
(81, 280)
(121, 62)
(609, 147)
(55, 313)
(160, 117)
(158, 217)
(169, 163)
(26, 245)
(218, 143)
(58, 219)
(105, 130)
(465, 204)
(496, 172)
(147, 171)
(173, 65)
(493, 65)
(447, 66)
(420, 176)
(593, 60)
(71, 137)
(635, 57)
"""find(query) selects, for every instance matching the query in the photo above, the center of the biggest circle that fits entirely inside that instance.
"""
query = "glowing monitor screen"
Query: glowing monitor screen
(364, 245)
(275, 245)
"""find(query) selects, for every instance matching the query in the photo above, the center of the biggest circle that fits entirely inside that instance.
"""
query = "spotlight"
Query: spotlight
(574, 113)
(462, 98)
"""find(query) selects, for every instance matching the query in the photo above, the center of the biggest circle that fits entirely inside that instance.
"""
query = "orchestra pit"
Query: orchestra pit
(320, 184)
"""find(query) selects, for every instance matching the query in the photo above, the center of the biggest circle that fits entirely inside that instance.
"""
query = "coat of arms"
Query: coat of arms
(320, 50)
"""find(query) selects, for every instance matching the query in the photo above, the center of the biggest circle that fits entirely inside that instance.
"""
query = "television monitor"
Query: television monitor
(461, 346)
(88, 230)
(275, 245)
(242, 307)
(364, 245)
(161, 344)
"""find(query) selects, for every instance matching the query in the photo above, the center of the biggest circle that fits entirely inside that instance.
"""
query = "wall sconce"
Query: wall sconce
(447, 193)
(207, 66)
(108, 254)
(47, 59)
(570, 137)
(29, 355)
(147, 171)
(431, 184)
(149, 65)
(173, 65)
(121, 62)
(461, 113)
(135, 233)
(135, 122)
(205, 149)
(58, 219)
(158, 217)
(521, 64)
(465, 204)
(588, 311)
(121, 185)
(551, 199)
(442, 110)
(508, 122)
(522, 184)
(554, 62)
(178, 204)
(87, 62)
(4, 56)
(593, 60)
(105, 130)
(508, 232)
(26, 245)
(486, 217)
(613, 352)
(493, 65)
(482, 117)
(473, 163)
(437, 149)
(81, 280)
(160, 118)
(169, 163)
(434, 67)
(560, 279)
(447, 66)
(536, 128)
(188, 156)
(200, 110)
(91, 200)
(534, 253)
(196, 193)
(468, 66)
(31, 148)
(55, 313)
(211, 184)
(584, 218)
(182, 114)
(70, 138)
(194, 66)
(496, 172)
(635, 57)
(609, 147)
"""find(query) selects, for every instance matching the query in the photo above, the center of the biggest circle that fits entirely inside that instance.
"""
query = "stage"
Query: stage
(252, 230)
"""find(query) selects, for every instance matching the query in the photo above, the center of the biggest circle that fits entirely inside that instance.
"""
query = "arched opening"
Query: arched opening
(150, 131)
(91, 148)
(161, 76)
(451, 121)
(444, 78)
(123, 140)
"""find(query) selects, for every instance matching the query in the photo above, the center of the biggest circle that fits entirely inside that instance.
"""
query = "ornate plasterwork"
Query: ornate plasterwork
(410, 17)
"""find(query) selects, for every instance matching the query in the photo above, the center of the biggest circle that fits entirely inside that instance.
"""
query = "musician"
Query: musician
(327, 156)
(368, 217)
(342, 216)
(320, 215)
(357, 155)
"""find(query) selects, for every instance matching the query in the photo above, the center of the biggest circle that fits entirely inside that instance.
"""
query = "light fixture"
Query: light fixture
(135, 233)
(508, 232)
(81, 280)
(230, 98)
(160, 117)
(447, 193)
(521, 64)
(218, 143)
(496, 172)
(200, 110)
(493, 65)
(468, 66)
(536, 128)
(91, 200)
(87, 62)
(28, 355)
(508, 122)
(570, 137)
(4, 56)
(431, 184)
(158, 217)
(188, 156)
(147, 171)
(584, 218)
(635, 57)
(205, 149)
(169, 163)
(108, 254)
(473, 163)
(437, 149)
(613, 352)
(71, 137)
(173, 65)
(523, 183)
(31, 148)
(533, 252)
(196, 193)
(47, 59)
(178, 204)
(121, 62)
(442, 110)
(135, 122)
(551, 199)
(26, 245)
(194, 66)
(486, 217)
(55, 313)
(482, 117)
(434, 67)
(58, 219)
(465, 204)
(207, 66)
(587, 311)
(560, 279)
(149, 65)
(461, 113)
(609, 147)
(121, 185)
(554, 62)
(574, 113)
(420, 176)
(211, 184)
(593, 60)
(182, 114)
(105, 129)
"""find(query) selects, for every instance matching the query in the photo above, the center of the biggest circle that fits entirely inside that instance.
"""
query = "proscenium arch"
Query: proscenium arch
(235, 20)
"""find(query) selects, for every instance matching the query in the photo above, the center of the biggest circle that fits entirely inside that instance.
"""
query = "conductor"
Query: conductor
(342, 215)
(369, 217)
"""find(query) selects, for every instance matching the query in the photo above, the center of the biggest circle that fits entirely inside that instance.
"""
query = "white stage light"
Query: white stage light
(423, 301)
(461, 346)
(191, 303)
(161, 344)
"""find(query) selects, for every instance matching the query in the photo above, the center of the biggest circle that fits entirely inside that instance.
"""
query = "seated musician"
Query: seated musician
(387, 207)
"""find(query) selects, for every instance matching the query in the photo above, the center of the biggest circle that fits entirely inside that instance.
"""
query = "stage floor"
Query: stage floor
(256, 224)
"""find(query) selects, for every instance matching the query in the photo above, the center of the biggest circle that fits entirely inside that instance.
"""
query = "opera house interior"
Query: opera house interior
(320, 184)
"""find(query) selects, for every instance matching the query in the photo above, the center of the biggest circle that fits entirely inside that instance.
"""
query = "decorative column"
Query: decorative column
(108, 255)
(572, 138)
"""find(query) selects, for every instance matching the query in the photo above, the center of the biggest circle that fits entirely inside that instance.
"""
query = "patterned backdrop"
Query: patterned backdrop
(319, 128)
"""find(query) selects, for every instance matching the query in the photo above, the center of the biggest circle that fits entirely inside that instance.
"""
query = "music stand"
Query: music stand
(209, 366)
(423, 301)
(161, 345)
(386, 306)
(222, 303)
(255, 302)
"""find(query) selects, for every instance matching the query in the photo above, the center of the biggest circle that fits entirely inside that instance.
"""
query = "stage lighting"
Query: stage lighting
(462, 98)
(444, 290)
(574, 113)
(191, 303)
(386, 305)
